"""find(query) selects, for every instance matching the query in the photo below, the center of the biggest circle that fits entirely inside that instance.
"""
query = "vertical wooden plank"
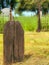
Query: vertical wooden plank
(8, 42)
(19, 42)
(13, 42)
(15, 45)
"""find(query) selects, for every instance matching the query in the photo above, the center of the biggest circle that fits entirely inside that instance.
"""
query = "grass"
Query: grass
(28, 23)
(36, 49)
(1, 49)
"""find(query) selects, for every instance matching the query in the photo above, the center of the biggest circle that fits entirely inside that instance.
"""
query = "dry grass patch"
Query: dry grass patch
(36, 49)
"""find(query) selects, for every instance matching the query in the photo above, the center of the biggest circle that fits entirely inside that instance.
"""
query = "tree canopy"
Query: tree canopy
(7, 3)
(33, 5)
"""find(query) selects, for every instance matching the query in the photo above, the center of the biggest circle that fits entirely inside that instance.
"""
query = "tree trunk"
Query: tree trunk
(39, 21)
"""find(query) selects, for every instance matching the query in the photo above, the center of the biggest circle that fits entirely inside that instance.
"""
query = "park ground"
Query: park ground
(28, 23)
(36, 49)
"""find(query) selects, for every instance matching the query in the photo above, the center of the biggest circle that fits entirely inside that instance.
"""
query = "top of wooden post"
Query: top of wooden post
(11, 17)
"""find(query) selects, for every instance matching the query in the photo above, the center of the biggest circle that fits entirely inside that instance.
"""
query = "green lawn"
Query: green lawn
(36, 49)
(28, 23)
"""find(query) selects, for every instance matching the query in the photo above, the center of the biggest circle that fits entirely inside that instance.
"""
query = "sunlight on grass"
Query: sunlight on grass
(1, 49)
(36, 49)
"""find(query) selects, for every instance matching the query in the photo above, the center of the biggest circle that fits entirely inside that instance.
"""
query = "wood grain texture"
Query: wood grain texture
(13, 42)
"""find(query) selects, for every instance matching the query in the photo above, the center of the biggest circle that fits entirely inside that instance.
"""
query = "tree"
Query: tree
(45, 6)
(24, 5)
(39, 20)
(32, 5)
(6, 3)
(39, 8)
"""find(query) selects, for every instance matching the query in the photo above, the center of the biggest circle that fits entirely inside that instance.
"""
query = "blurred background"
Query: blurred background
(26, 11)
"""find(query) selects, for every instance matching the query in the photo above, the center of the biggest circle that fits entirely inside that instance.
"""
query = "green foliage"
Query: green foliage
(33, 5)
(25, 5)
(12, 3)
(0, 12)
(45, 7)
(5, 3)
(3, 20)
(45, 22)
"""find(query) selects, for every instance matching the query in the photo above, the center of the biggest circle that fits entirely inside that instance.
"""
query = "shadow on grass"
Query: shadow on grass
(26, 57)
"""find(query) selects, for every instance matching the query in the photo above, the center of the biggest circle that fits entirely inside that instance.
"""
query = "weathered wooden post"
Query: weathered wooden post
(8, 41)
(13, 41)
(18, 42)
